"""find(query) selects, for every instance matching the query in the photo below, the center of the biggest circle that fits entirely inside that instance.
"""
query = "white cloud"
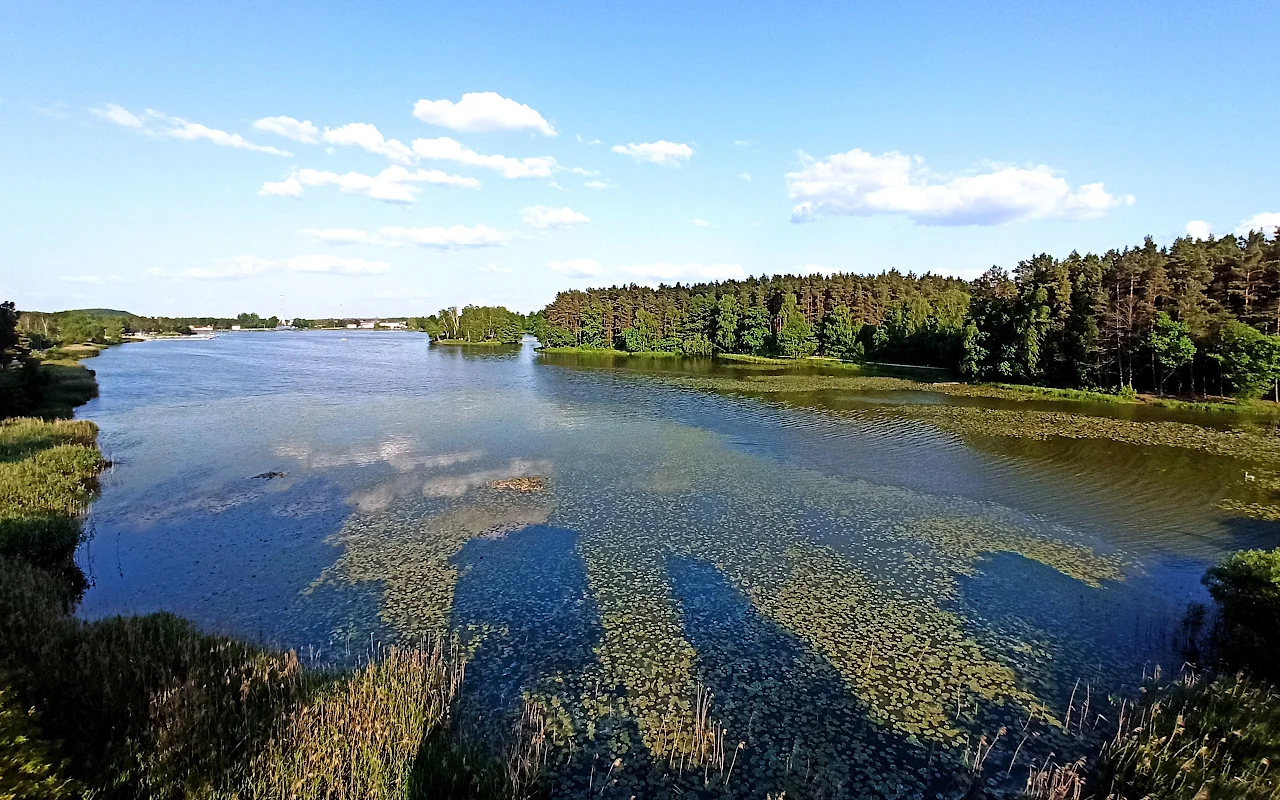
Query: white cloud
(395, 184)
(337, 235)
(1199, 229)
(454, 237)
(289, 187)
(447, 149)
(746, 176)
(684, 273)
(598, 185)
(482, 112)
(1267, 222)
(668, 154)
(367, 137)
(544, 217)
(155, 123)
(702, 223)
(288, 127)
(861, 184)
(245, 266)
(577, 267)
(120, 116)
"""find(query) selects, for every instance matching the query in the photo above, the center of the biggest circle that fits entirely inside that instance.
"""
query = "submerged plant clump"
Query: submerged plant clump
(408, 548)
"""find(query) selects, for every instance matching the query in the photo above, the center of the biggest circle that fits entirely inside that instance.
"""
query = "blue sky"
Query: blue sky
(157, 158)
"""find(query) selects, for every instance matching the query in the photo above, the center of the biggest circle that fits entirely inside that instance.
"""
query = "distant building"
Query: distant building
(352, 325)
(395, 326)
(368, 324)
(235, 327)
(202, 329)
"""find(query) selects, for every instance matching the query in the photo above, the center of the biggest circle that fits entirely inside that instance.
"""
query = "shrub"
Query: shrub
(1247, 589)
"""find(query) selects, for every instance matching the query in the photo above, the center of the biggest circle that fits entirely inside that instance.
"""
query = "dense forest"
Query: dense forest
(1198, 316)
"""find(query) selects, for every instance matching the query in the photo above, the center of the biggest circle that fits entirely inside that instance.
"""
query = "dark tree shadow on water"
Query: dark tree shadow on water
(804, 732)
(524, 598)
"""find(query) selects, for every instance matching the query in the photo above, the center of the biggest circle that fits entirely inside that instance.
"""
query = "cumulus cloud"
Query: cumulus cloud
(544, 217)
(598, 185)
(684, 273)
(859, 183)
(367, 137)
(395, 184)
(745, 176)
(577, 267)
(155, 123)
(667, 154)
(1199, 229)
(1266, 222)
(288, 127)
(289, 187)
(702, 223)
(482, 112)
(246, 266)
(447, 149)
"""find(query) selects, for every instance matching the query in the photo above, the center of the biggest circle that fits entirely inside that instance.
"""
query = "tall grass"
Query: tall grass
(48, 477)
(1197, 738)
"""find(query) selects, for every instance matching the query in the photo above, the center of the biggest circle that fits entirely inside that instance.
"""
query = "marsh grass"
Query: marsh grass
(64, 384)
(1197, 737)
(48, 477)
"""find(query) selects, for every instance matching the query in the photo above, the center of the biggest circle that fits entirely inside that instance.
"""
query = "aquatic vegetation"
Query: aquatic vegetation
(535, 483)
(857, 575)
(407, 549)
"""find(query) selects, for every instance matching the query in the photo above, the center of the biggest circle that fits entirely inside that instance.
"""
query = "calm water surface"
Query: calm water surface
(862, 593)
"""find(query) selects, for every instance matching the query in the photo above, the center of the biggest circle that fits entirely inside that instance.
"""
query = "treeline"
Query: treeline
(474, 324)
(1200, 315)
(105, 326)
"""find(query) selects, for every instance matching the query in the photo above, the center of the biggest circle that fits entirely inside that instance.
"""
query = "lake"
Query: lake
(854, 594)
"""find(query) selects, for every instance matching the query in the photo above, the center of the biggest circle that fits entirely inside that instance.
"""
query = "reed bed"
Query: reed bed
(364, 736)
(1197, 737)
(48, 477)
